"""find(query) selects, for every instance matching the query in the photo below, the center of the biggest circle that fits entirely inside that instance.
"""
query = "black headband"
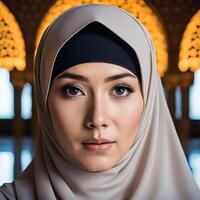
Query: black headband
(96, 43)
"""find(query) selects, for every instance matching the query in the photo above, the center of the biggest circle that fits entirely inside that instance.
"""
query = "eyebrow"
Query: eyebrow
(85, 79)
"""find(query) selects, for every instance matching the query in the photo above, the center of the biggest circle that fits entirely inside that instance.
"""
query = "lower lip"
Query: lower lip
(100, 147)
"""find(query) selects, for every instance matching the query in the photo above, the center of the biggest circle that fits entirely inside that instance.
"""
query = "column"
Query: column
(17, 79)
(186, 80)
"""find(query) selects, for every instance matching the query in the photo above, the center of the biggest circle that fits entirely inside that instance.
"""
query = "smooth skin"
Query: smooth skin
(91, 105)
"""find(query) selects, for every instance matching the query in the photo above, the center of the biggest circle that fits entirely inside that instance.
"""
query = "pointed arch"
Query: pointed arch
(12, 50)
(138, 8)
(189, 55)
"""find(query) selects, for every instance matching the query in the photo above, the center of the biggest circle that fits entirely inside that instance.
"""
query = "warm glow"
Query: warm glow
(12, 51)
(189, 56)
(137, 8)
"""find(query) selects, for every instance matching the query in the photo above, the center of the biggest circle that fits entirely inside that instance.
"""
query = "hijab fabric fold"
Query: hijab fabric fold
(154, 168)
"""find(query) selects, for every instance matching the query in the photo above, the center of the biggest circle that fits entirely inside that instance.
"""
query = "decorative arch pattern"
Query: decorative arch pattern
(137, 8)
(12, 47)
(189, 55)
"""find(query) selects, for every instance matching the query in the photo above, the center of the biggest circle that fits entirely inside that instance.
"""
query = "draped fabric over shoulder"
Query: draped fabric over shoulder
(154, 168)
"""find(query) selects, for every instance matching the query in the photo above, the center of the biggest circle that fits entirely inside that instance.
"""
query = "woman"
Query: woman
(105, 131)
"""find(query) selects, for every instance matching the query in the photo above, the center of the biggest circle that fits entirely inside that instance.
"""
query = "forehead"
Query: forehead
(95, 71)
(99, 68)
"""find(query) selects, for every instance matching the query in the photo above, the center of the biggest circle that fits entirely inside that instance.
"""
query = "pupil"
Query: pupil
(120, 90)
(73, 91)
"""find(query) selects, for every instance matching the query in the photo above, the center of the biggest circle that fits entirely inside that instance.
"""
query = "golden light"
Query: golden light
(137, 8)
(12, 50)
(189, 56)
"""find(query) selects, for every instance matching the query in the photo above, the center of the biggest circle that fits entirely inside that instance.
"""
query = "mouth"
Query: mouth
(101, 144)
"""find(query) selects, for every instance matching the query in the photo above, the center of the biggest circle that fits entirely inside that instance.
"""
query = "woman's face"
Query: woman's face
(96, 110)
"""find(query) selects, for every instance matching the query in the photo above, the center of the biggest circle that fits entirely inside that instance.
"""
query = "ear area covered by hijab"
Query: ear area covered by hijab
(154, 168)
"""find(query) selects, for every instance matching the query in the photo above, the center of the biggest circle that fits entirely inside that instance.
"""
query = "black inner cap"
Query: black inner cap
(96, 43)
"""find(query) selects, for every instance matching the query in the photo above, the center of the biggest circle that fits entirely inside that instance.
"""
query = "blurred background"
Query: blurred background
(175, 29)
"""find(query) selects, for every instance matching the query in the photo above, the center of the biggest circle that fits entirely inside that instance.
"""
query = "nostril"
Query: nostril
(95, 125)
(90, 125)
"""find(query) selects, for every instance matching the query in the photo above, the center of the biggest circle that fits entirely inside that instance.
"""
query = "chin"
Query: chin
(97, 166)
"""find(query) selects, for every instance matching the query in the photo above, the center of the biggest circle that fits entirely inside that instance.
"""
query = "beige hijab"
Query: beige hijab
(155, 168)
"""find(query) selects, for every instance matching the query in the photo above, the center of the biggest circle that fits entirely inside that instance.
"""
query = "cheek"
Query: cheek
(134, 115)
(65, 119)
(67, 111)
(132, 112)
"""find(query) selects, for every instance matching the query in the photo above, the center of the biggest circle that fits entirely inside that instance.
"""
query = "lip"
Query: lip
(100, 144)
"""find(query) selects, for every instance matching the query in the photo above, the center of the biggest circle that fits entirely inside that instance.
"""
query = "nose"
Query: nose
(97, 115)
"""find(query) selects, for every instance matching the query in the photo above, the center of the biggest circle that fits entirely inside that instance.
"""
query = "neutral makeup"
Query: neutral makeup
(95, 110)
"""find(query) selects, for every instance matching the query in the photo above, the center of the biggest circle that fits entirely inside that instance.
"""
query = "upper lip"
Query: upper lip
(97, 141)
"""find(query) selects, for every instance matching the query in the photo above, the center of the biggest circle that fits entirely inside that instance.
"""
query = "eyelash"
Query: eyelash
(125, 86)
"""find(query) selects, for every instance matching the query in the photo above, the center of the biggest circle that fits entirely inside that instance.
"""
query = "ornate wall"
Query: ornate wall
(174, 15)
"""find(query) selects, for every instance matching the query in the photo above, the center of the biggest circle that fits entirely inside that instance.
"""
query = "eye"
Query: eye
(71, 90)
(123, 89)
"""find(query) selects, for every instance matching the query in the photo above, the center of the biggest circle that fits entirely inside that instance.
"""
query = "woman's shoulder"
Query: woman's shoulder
(7, 191)
(22, 186)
